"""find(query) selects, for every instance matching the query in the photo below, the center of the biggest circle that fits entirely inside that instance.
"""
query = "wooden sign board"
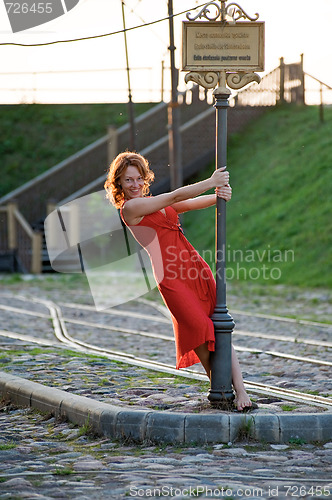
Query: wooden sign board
(213, 46)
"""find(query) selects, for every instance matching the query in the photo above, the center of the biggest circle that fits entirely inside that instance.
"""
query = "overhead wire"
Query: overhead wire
(99, 36)
(49, 72)
(132, 10)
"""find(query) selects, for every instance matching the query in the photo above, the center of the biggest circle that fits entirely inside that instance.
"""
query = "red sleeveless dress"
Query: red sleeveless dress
(184, 280)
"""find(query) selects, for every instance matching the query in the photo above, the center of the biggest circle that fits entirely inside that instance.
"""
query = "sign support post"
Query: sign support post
(218, 53)
(221, 366)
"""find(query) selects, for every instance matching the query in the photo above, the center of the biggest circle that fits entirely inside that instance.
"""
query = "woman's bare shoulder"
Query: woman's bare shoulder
(136, 208)
(129, 212)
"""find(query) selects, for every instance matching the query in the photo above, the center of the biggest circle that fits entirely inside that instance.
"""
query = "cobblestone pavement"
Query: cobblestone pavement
(107, 382)
(118, 383)
(42, 458)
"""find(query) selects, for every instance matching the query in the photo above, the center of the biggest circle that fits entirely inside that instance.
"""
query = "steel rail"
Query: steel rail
(283, 318)
(295, 340)
(286, 319)
(164, 311)
(154, 365)
(27, 338)
(300, 340)
(164, 368)
(167, 318)
(244, 333)
(24, 311)
(116, 312)
(62, 335)
(171, 338)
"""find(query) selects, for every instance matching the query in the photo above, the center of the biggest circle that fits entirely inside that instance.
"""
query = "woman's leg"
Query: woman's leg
(242, 398)
(203, 353)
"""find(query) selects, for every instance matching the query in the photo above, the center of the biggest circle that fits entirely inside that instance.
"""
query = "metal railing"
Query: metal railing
(85, 171)
(84, 167)
(17, 236)
(317, 93)
(283, 84)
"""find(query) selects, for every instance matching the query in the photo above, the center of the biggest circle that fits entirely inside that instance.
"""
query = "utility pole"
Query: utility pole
(130, 102)
(174, 136)
(162, 80)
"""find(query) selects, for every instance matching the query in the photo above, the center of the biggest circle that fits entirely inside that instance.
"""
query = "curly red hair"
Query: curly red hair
(112, 185)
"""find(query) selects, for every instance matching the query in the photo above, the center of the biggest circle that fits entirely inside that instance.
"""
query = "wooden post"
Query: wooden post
(50, 206)
(162, 81)
(36, 267)
(112, 145)
(302, 95)
(14, 218)
(321, 107)
(12, 236)
(282, 81)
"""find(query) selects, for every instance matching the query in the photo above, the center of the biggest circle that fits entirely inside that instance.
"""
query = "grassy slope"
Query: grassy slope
(280, 173)
(36, 137)
(281, 177)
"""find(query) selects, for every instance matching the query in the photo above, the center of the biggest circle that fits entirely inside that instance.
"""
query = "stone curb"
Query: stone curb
(160, 427)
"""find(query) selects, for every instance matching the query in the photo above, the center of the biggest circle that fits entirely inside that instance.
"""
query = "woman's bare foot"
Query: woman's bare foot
(242, 401)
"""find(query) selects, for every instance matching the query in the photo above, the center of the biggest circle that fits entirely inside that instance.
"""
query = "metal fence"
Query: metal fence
(283, 84)
(288, 83)
(85, 171)
(18, 241)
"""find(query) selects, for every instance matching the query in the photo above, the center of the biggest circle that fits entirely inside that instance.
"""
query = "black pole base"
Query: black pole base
(221, 390)
(218, 398)
(224, 405)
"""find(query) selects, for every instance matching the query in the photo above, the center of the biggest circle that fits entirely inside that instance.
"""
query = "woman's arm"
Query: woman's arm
(136, 208)
(205, 201)
(198, 203)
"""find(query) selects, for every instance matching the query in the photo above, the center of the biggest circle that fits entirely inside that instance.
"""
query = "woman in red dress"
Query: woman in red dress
(184, 279)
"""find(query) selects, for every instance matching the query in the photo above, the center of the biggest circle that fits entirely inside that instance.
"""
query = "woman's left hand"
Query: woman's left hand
(224, 192)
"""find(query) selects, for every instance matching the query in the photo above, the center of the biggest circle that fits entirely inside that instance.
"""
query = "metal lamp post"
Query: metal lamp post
(221, 368)
(216, 56)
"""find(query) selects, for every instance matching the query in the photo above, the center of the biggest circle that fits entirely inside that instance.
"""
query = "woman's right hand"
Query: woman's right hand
(220, 177)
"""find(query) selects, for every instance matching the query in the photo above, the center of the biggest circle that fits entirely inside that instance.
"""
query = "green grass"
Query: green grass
(66, 471)
(279, 228)
(35, 137)
(280, 213)
(7, 446)
(288, 407)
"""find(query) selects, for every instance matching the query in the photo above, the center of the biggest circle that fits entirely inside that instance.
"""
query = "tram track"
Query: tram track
(237, 348)
(62, 335)
(298, 340)
(170, 338)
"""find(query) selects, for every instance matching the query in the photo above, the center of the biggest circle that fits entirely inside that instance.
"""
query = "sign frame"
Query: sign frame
(228, 64)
